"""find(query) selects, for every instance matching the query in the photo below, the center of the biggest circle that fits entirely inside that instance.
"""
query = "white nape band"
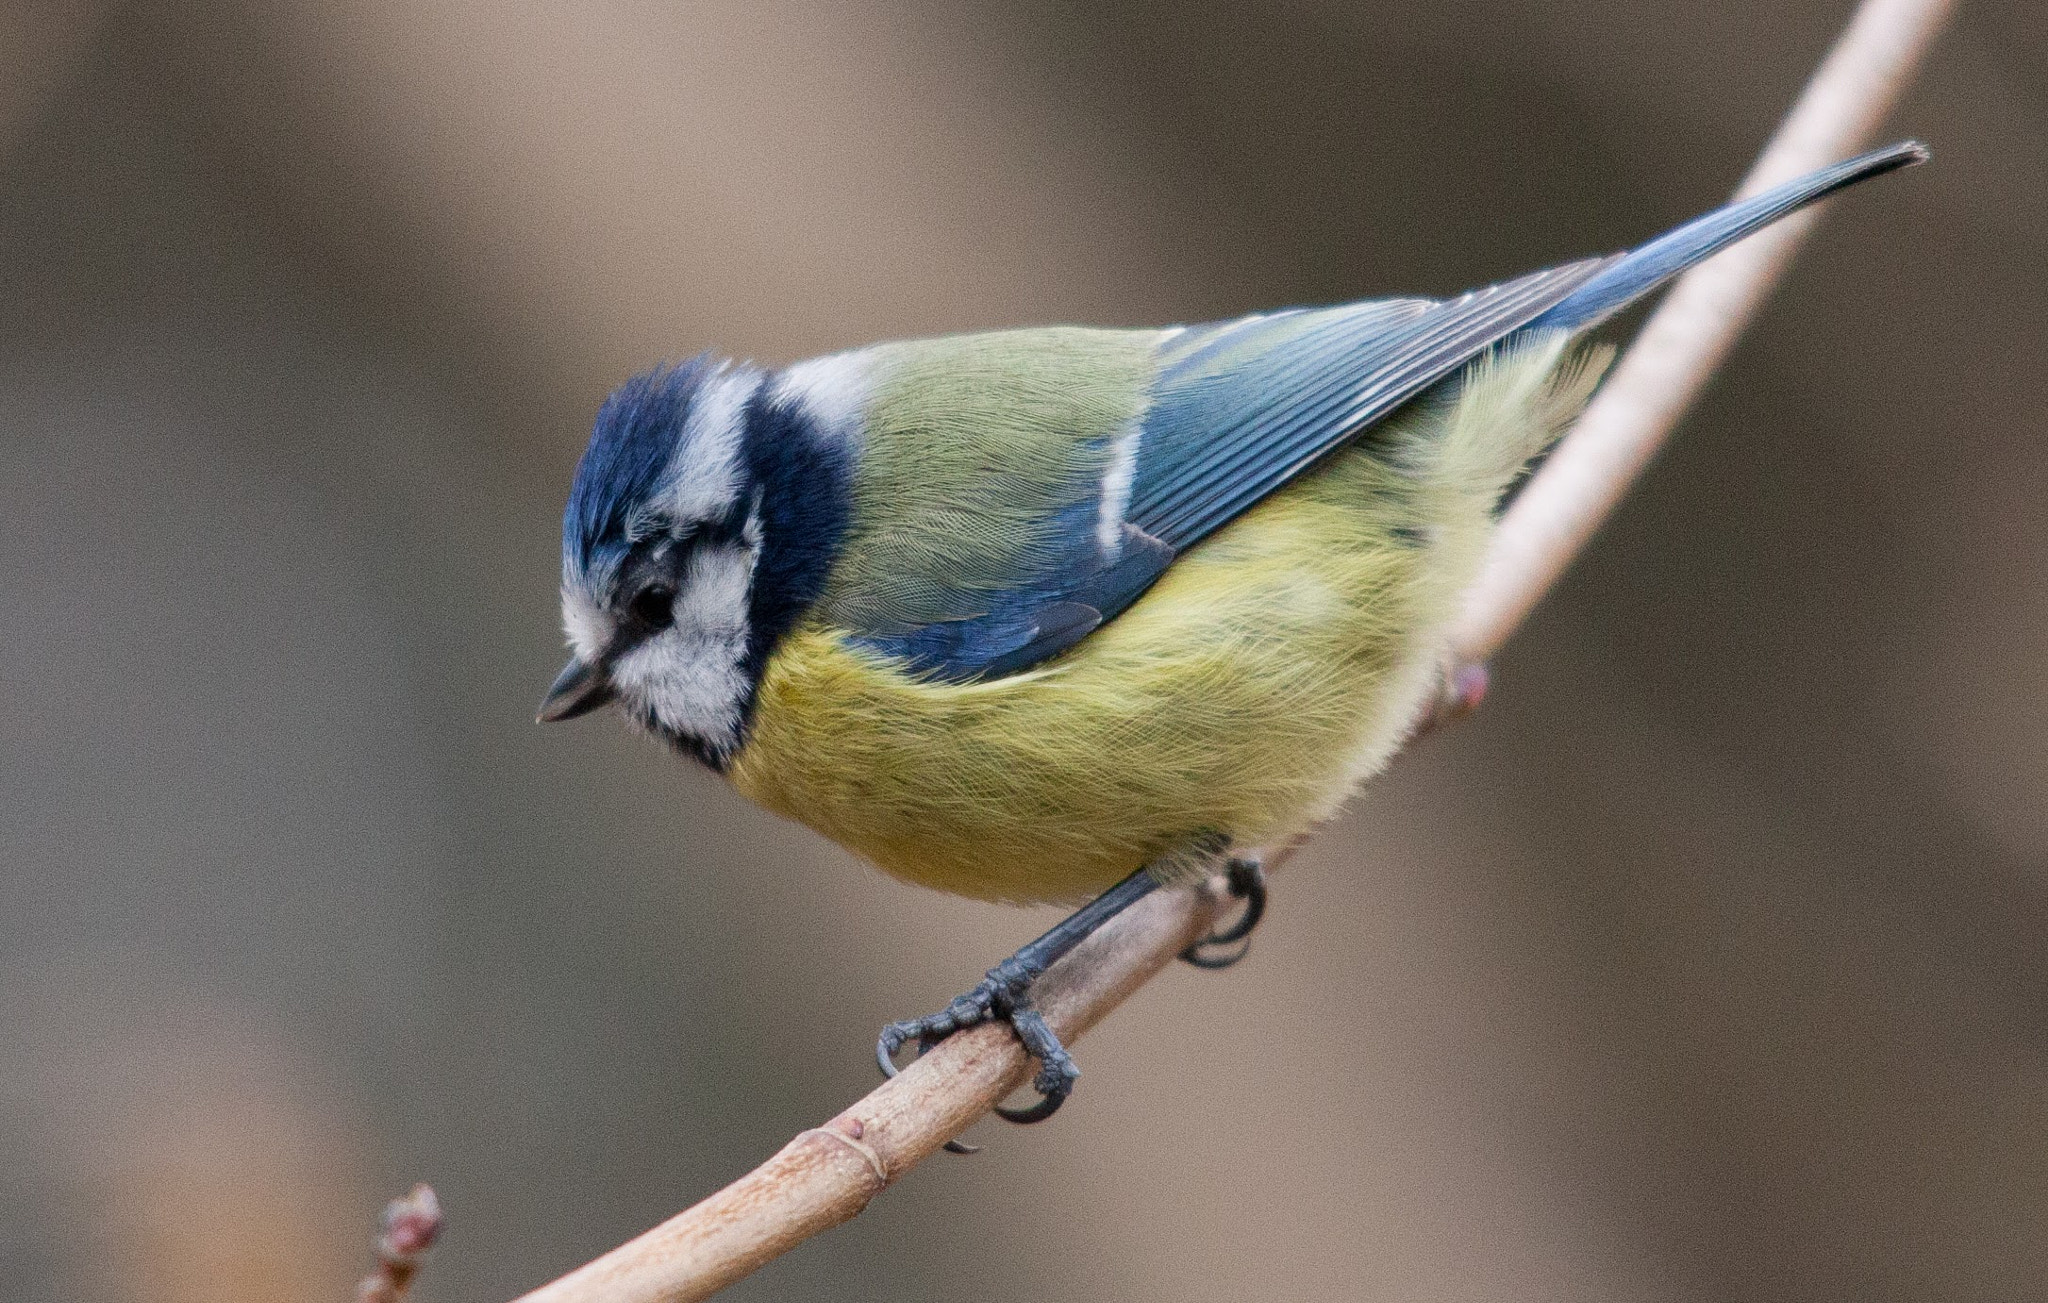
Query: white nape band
(833, 390)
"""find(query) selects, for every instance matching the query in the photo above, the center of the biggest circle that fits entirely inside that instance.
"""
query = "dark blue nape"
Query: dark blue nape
(802, 480)
(631, 443)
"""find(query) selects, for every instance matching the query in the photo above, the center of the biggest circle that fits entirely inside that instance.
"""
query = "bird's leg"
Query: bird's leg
(1224, 947)
(1005, 996)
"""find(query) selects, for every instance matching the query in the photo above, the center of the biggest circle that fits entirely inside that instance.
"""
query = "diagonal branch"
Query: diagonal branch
(829, 1173)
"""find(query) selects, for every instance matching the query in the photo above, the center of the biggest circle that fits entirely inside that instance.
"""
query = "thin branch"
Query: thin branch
(828, 1174)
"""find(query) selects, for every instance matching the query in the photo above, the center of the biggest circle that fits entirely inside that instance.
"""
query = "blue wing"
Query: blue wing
(1236, 410)
(1243, 407)
(1239, 409)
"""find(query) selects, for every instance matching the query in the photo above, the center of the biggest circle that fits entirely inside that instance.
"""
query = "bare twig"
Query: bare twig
(828, 1174)
(410, 1226)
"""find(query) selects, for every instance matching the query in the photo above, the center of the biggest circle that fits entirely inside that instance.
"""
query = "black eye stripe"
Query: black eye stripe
(655, 571)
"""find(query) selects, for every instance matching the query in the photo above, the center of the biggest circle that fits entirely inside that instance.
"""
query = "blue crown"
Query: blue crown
(631, 445)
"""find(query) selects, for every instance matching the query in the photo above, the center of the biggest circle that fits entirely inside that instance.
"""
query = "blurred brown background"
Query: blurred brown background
(1710, 962)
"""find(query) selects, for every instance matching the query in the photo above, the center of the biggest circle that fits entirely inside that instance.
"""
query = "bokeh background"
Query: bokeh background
(1709, 962)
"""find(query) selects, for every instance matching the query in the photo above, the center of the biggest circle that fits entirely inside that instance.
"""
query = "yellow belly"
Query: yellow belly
(1266, 673)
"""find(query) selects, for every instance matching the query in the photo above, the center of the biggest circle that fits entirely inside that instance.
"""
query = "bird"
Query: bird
(1071, 614)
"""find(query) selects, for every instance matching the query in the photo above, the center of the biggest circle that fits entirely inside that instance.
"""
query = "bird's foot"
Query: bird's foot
(1003, 996)
(1224, 947)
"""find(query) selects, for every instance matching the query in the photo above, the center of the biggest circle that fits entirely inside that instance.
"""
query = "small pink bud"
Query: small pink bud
(1468, 687)
(411, 1224)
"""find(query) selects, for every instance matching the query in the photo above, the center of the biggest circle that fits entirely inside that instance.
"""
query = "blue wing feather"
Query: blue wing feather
(1210, 451)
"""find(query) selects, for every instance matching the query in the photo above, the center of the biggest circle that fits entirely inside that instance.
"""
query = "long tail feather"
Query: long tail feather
(1645, 268)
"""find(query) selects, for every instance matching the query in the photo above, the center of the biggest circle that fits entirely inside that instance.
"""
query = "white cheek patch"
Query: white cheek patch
(713, 601)
(692, 677)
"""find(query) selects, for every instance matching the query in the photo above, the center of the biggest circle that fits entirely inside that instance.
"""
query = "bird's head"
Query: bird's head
(660, 541)
(702, 519)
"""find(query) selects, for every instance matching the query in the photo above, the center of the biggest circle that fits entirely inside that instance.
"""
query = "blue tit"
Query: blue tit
(1061, 613)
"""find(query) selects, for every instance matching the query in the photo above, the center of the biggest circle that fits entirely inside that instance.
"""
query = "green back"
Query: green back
(979, 452)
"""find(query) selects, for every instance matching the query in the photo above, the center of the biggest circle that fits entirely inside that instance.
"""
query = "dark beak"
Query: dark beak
(577, 690)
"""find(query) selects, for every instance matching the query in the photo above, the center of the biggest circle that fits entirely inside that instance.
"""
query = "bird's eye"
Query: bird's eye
(654, 606)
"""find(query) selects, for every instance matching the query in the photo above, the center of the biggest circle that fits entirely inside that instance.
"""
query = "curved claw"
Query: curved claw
(1247, 883)
(1046, 1106)
(1056, 1071)
(893, 1038)
(1197, 956)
